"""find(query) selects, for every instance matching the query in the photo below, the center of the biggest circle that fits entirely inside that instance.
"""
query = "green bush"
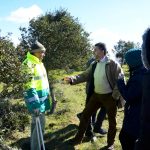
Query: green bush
(12, 117)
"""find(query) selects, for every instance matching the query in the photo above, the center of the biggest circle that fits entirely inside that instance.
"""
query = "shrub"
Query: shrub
(12, 117)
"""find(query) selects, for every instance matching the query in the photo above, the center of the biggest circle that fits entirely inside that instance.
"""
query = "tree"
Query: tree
(10, 76)
(66, 42)
(12, 116)
(122, 47)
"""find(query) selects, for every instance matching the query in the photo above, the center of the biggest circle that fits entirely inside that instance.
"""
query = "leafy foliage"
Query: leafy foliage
(66, 42)
(12, 117)
(10, 67)
(11, 81)
(122, 47)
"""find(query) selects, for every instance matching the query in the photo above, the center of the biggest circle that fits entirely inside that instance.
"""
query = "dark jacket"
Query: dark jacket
(112, 69)
(92, 60)
(144, 138)
(132, 93)
(145, 113)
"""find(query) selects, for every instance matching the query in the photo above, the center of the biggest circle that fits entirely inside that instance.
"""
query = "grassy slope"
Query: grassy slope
(62, 125)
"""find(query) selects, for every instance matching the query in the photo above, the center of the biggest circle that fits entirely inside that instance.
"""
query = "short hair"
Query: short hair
(101, 46)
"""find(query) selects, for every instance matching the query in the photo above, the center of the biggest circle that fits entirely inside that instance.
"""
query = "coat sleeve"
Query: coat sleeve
(132, 92)
(116, 70)
(144, 137)
(30, 93)
(83, 77)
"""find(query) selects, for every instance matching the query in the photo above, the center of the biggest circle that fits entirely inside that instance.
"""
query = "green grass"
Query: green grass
(126, 71)
(62, 125)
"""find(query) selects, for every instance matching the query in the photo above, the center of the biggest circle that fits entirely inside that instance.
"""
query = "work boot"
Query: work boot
(110, 147)
(90, 136)
(100, 131)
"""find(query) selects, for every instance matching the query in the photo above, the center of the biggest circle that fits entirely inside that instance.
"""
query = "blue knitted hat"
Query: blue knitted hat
(133, 58)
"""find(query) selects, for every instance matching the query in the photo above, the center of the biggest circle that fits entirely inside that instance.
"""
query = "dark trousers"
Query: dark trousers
(100, 118)
(96, 101)
(96, 122)
(93, 117)
(127, 141)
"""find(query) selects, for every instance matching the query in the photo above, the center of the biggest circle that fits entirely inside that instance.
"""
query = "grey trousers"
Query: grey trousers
(34, 137)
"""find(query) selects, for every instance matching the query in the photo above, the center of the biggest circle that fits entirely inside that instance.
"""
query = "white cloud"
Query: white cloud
(111, 38)
(15, 40)
(23, 15)
(104, 35)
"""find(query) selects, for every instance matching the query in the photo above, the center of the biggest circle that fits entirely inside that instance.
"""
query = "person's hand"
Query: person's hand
(67, 80)
(121, 76)
(36, 111)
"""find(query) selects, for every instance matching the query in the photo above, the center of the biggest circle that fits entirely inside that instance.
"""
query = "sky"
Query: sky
(107, 21)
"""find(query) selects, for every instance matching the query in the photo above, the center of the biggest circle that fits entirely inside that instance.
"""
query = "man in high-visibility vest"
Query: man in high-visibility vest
(36, 89)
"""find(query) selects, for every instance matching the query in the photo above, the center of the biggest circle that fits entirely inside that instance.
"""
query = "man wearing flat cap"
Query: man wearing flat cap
(36, 89)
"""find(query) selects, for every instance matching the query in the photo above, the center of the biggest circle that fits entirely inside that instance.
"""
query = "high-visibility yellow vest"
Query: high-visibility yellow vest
(36, 87)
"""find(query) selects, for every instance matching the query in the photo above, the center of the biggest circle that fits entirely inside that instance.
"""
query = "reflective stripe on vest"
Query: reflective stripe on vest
(39, 77)
(32, 99)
